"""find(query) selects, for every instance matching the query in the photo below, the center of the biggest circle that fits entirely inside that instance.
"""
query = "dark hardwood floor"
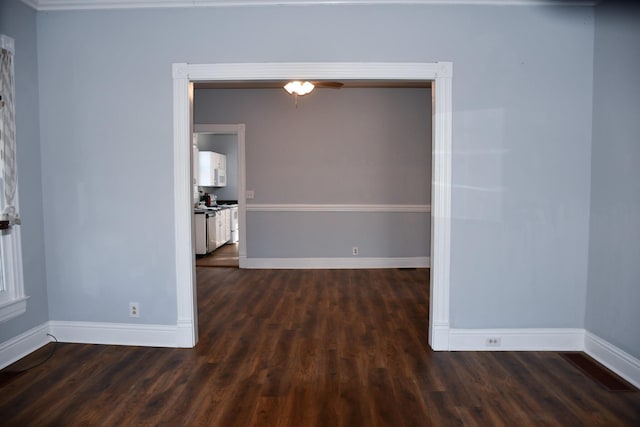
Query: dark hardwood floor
(224, 256)
(307, 348)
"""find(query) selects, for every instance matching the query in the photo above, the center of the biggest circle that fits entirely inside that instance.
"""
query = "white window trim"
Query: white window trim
(13, 301)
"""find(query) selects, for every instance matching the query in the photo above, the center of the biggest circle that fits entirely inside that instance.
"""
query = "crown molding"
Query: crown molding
(32, 3)
(49, 5)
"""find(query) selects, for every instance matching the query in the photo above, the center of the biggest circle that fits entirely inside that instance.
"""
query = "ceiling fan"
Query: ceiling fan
(299, 88)
(331, 85)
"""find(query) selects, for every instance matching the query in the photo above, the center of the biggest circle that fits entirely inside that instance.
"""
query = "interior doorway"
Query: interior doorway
(234, 253)
(440, 74)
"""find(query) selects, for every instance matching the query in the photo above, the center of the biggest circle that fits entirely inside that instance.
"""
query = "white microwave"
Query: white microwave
(211, 169)
(219, 178)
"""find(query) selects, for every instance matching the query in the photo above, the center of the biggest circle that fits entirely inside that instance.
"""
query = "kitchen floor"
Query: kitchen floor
(224, 256)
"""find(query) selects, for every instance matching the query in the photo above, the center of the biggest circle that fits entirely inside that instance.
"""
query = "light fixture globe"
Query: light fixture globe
(298, 87)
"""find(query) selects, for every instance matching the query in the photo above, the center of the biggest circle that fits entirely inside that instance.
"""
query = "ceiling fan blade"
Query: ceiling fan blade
(332, 85)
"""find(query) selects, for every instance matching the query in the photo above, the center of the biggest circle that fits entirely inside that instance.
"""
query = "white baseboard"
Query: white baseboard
(184, 335)
(117, 333)
(24, 344)
(337, 263)
(620, 362)
(439, 337)
(550, 339)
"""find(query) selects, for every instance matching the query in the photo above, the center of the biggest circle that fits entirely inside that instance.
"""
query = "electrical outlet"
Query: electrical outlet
(250, 194)
(134, 309)
(493, 341)
(355, 250)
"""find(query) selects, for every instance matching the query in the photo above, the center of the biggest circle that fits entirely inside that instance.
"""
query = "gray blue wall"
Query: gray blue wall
(613, 294)
(18, 21)
(522, 102)
(347, 146)
(333, 234)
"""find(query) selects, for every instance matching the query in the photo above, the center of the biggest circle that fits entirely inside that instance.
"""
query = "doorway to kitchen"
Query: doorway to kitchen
(220, 207)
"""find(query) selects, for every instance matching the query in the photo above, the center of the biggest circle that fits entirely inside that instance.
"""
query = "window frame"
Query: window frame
(13, 300)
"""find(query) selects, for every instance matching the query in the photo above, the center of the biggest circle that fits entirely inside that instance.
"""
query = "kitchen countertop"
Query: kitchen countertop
(216, 208)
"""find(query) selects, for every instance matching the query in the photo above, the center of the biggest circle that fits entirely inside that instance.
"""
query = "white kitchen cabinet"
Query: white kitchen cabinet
(223, 227)
(212, 169)
(233, 219)
(220, 228)
(213, 229)
(227, 225)
(220, 236)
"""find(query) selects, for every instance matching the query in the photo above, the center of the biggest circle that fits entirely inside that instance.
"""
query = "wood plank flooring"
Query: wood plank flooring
(224, 256)
(307, 348)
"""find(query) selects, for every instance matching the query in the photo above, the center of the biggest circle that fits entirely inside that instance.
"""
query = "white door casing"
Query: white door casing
(439, 73)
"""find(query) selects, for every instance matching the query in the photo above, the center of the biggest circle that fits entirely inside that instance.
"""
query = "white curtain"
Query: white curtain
(7, 135)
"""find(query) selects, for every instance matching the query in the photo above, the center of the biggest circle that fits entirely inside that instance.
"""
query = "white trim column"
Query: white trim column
(441, 208)
(185, 263)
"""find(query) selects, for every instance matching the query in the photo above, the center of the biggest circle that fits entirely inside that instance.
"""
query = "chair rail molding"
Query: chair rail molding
(289, 207)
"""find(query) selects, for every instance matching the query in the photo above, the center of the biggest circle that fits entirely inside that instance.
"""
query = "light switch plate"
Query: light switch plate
(250, 194)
